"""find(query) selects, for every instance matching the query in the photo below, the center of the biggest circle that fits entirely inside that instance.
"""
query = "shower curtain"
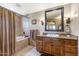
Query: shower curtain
(7, 32)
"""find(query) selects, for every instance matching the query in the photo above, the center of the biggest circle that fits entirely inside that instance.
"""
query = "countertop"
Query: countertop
(57, 36)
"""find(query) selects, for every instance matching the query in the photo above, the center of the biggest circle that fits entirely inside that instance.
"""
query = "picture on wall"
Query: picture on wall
(34, 21)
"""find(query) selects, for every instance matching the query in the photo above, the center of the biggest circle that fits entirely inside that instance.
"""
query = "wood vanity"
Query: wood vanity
(58, 46)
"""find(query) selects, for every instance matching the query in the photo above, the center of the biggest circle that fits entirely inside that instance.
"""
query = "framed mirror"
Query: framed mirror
(54, 19)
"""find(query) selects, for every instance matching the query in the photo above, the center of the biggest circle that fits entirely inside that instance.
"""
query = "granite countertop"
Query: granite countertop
(60, 36)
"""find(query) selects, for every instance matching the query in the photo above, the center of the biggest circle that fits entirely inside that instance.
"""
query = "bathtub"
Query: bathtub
(21, 42)
(20, 38)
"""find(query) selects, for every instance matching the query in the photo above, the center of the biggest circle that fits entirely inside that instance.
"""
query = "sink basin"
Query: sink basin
(52, 35)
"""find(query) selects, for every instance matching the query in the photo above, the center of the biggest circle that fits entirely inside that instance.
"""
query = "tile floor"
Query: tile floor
(28, 51)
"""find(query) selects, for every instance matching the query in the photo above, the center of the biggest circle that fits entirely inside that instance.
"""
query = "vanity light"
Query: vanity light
(42, 23)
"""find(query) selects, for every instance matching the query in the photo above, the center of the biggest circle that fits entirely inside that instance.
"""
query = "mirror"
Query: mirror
(54, 20)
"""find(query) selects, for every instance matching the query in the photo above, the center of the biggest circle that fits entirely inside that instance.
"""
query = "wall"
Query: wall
(75, 21)
(40, 16)
(18, 25)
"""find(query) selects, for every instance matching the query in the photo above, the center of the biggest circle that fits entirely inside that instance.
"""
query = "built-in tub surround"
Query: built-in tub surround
(21, 33)
(21, 42)
(19, 38)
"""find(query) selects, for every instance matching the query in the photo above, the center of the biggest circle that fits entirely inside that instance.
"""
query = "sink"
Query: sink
(52, 35)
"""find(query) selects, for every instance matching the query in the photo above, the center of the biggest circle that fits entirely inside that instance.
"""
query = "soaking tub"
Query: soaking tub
(21, 42)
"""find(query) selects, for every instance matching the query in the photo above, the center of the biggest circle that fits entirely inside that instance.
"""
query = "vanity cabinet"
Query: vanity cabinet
(56, 46)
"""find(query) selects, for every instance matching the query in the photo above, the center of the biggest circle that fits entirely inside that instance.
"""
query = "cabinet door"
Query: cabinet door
(52, 47)
(70, 50)
(46, 45)
(61, 47)
(39, 44)
(70, 47)
(56, 49)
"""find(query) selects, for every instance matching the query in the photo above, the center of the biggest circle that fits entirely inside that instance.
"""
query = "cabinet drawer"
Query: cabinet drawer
(70, 42)
(71, 49)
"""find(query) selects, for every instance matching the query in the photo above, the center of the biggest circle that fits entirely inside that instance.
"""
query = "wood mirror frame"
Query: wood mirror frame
(62, 19)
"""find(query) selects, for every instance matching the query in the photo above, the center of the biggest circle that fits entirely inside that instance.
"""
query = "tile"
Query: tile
(28, 51)
(33, 52)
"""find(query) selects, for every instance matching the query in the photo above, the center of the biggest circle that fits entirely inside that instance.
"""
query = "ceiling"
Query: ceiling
(27, 8)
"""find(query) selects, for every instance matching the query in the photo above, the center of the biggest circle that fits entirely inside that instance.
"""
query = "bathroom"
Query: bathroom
(23, 29)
